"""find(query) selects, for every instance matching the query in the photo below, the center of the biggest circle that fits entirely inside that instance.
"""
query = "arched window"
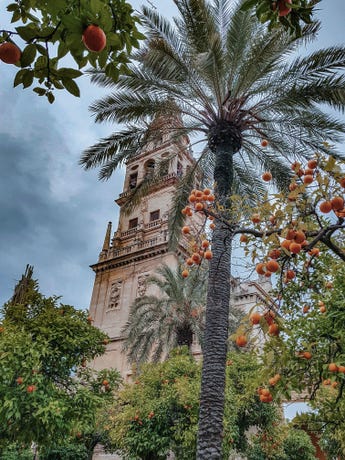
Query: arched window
(149, 167)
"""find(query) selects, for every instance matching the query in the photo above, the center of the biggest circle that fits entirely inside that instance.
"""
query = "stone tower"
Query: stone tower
(140, 243)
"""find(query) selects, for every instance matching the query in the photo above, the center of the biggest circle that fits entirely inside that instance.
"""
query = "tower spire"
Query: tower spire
(106, 244)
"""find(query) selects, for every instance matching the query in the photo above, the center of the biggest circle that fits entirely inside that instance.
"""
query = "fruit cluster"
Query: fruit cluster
(200, 201)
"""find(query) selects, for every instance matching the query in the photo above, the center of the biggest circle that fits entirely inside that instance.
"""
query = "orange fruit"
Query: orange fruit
(260, 268)
(199, 207)
(291, 233)
(19, 380)
(208, 255)
(105, 382)
(255, 317)
(295, 248)
(293, 186)
(337, 203)
(241, 341)
(196, 257)
(185, 230)
(9, 53)
(205, 244)
(274, 254)
(312, 164)
(332, 367)
(207, 191)
(342, 182)
(192, 198)
(299, 237)
(308, 179)
(198, 194)
(273, 329)
(306, 308)
(267, 176)
(307, 355)
(189, 261)
(325, 207)
(341, 369)
(94, 38)
(272, 266)
(295, 166)
(243, 238)
(290, 274)
(185, 273)
(211, 198)
(286, 244)
(283, 9)
(212, 226)
(314, 252)
(264, 143)
(322, 309)
(255, 218)
(309, 172)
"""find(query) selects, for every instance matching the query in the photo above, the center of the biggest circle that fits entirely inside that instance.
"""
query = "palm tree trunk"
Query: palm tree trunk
(212, 398)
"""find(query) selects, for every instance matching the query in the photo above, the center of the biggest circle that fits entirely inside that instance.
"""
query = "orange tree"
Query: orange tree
(49, 396)
(299, 239)
(290, 14)
(158, 412)
(100, 33)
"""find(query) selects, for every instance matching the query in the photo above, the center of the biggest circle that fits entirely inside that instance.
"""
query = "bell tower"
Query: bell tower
(140, 242)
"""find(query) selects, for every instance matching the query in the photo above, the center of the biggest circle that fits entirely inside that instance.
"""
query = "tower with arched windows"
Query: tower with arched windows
(140, 241)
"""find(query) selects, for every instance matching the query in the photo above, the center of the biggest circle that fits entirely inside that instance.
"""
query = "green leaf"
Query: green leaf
(28, 55)
(19, 77)
(69, 72)
(62, 50)
(247, 5)
(28, 78)
(28, 32)
(39, 91)
(12, 7)
(50, 97)
(71, 86)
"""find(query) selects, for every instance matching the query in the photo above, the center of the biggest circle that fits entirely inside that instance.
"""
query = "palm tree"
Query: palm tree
(159, 323)
(234, 83)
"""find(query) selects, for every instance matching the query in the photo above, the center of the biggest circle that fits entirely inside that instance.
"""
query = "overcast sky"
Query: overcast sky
(53, 215)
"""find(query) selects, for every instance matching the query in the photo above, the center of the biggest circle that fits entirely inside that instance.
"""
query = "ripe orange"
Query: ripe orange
(295, 248)
(207, 191)
(243, 238)
(309, 172)
(286, 244)
(291, 233)
(255, 317)
(199, 207)
(212, 226)
(19, 380)
(31, 388)
(192, 198)
(306, 308)
(283, 9)
(205, 244)
(334, 384)
(255, 218)
(314, 252)
(267, 176)
(312, 164)
(189, 261)
(308, 179)
(211, 198)
(272, 219)
(332, 367)
(325, 207)
(241, 341)
(322, 309)
(94, 38)
(185, 273)
(9, 53)
(293, 186)
(299, 237)
(290, 274)
(326, 382)
(329, 285)
(273, 329)
(198, 194)
(264, 143)
(151, 414)
(196, 258)
(342, 182)
(272, 266)
(295, 166)
(186, 230)
(341, 369)
(274, 254)
(260, 268)
(208, 255)
(105, 382)
(307, 355)
(337, 203)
